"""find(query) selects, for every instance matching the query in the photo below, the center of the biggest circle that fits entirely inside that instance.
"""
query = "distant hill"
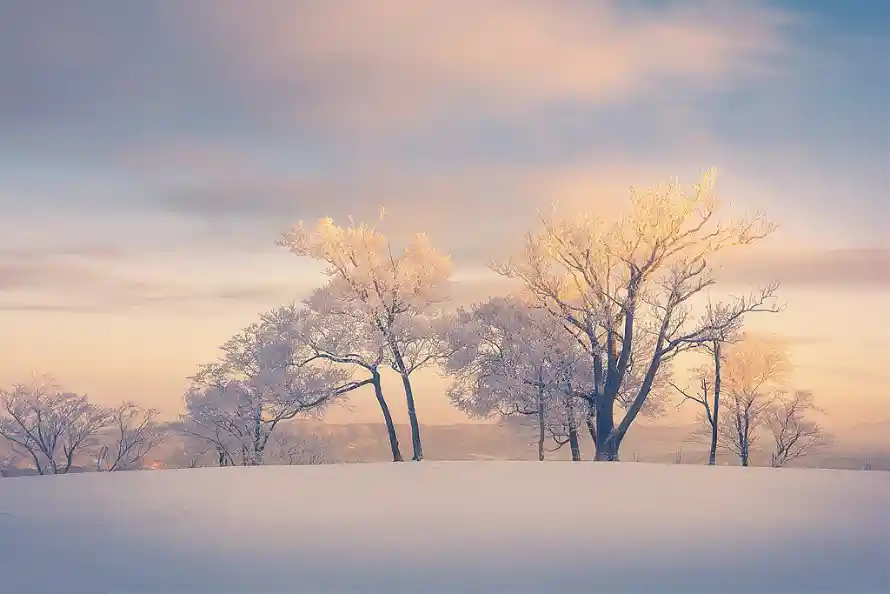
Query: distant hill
(853, 449)
(367, 442)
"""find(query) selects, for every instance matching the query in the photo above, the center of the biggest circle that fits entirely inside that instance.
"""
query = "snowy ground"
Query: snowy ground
(511, 527)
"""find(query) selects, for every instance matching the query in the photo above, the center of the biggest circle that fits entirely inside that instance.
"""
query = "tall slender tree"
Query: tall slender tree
(754, 372)
(396, 294)
(344, 338)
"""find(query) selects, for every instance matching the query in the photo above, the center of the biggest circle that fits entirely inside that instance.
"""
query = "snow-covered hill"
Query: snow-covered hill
(448, 527)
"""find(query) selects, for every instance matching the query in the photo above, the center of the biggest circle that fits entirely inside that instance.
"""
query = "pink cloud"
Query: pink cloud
(378, 63)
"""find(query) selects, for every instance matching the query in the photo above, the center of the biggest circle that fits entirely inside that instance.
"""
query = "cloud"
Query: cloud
(39, 267)
(345, 67)
(121, 296)
(100, 279)
(368, 64)
(837, 268)
(474, 213)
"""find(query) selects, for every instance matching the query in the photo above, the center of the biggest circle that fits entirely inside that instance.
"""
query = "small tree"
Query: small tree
(135, 432)
(395, 294)
(508, 359)
(754, 371)
(794, 436)
(8, 462)
(52, 427)
(709, 377)
(259, 381)
(289, 448)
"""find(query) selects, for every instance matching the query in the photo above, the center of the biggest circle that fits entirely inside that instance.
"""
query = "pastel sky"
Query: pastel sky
(151, 153)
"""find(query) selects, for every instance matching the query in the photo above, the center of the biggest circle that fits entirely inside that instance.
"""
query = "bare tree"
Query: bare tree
(8, 462)
(261, 379)
(754, 372)
(344, 338)
(397, 295)
(710, 377)
(614, 285)
(135, 432)
(794, 436)
(50, 426)
(289, 448)
(511, 360)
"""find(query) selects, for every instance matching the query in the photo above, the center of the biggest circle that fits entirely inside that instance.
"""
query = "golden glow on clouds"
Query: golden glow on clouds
(135, 324)
(401, 63)
(147, 354)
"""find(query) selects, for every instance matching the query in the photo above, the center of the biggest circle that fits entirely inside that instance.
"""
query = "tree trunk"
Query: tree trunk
(409, 396)
(387, 417)
(715, 414)
(541, 428)
(591, 428)
(573, 443)
(606, 445)
(412, 417)
(744, 458)
(37, 465)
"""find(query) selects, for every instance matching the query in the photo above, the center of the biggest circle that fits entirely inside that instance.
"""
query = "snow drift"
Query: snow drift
(448, 527)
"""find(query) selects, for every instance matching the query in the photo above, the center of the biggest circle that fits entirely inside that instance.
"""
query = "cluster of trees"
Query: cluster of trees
(744, 400)
(585, 346)
(54, 429)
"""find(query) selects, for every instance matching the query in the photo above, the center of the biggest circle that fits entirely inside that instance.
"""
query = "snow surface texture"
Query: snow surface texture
(511, 527)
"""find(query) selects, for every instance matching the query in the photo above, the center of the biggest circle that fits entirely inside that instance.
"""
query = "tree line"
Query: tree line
(586, 344)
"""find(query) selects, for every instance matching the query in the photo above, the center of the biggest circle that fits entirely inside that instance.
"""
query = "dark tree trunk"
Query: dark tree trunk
(409, 397)
(412, 417)
(573, 443)
(541, 428)
(591, 429)
(387, 417)
(606, 444)
(715, 414)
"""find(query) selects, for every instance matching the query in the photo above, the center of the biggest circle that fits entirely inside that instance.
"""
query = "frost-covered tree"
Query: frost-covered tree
(397, 294)
(49, 426)
(341, 337)
(9, 460)
(259, 381)
(709, 376)
(510, 359)
(613, 285)
(290, 448)
(754, 372)
(793, 434)
(135, 431)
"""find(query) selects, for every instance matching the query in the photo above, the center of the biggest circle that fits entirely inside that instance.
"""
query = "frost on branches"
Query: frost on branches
(794, 435)
(343, 337)
(613, 286)
(48, 426)
(397, 294)
(135, 431)
(758, 404)
(261, 379)
(510, 359)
